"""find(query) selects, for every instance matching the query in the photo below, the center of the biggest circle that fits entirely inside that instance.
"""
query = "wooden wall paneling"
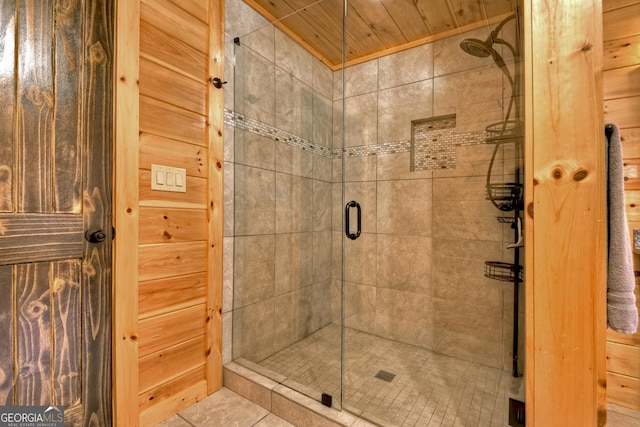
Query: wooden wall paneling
(171, 52)
(6, 335)
(412, 24)
(608, 5)
(162, 225)
(495, 8)
(386, 29)
(622, 22)
(65, 308)
(35, 106)
(161, 119)
(67, 144)
(171, 363)
(622, 82)
(125, 202)
(621, 52)
(40, 237)
(33, 382)
(178, 259)
(565, 205)
(623, 111)
(161, 83)
(166, 330)
(190, 393)
(169, 389)
(174, 20)
(197, 8)
(166, 295)
(466, 12)
(195, 197)
(7, 107)
(215, 208)
(437, 14)
(630, 142)
(164, 151)
(623, 390)
(623, 359)
(632, 205)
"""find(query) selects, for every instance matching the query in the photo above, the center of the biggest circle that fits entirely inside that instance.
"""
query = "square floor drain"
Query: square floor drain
(385, 376)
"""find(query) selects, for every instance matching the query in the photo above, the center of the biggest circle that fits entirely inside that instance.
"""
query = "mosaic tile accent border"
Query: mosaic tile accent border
(432, 143)
(239, 121)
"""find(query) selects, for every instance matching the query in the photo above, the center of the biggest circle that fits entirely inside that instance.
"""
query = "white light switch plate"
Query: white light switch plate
(167, 178)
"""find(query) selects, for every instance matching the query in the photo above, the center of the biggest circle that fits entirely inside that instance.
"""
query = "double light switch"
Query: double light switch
(167, 178)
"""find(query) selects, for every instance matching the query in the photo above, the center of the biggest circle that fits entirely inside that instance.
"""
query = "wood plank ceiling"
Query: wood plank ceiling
(376, 27)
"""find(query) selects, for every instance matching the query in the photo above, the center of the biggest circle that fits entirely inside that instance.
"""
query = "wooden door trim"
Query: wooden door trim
(125, 209)
(216, 197)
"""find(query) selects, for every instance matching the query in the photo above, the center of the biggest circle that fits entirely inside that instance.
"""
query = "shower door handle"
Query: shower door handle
(347, 225)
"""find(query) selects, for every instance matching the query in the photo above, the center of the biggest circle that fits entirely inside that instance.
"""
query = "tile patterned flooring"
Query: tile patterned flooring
(428, 389)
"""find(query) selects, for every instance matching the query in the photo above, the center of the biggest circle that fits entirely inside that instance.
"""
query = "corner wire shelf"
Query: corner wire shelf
(503, 132)
(503, 271)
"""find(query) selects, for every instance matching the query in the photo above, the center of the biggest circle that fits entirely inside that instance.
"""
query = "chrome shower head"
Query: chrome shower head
(477, 48)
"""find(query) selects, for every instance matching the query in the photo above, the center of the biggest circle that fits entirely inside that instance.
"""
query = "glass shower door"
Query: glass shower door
(428, 334)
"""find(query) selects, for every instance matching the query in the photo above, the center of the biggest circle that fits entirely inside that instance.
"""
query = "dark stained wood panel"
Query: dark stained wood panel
(33, 237)
(6, 335)
(174, 53)
(65, 310)
(7, 94)
(33, 382)
(67, 183)
(35, 106)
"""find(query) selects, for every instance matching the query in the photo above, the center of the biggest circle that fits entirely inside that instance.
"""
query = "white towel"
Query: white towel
(622, 313)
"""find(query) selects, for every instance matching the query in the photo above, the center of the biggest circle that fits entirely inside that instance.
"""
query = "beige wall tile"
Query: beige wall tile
(293, 58)
(293, 160)
(249, 342)
(321, 256)
(254, 269)
(360, 307)
(404, 263)
(404, 67)
(361, 79)
(398, 106)
(360, 259)
(254, 97)
(293, 210)
(294, 109)
(254, 150)
(322, 120)
(360, 120)
(414, 325)
(321, 210)
(293, 266)
(398, 166)
(254, 201)
(404, 207)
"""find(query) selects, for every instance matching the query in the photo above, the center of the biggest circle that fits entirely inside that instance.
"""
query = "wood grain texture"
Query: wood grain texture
(6, 335)
(164, 366)
(623, 111)
(166, 295)
(623, 390)
(174, 54)
(171, 388)
(172, 19)
(566, 310)
(623, 359)
(622, 22)
(164, 151)
(173, 404)
(215, 197)
(125, 202)
(33, 237)
(159, 118)
(34, 334)
(35, 106)
(67, 329)
(166, 330)
(622, 82)
(621, 52)
(158, 225)
(161, 83)
(7, 107)
(67, 144)
(177, 259)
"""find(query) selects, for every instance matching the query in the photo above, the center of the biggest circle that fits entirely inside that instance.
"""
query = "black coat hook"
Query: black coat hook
(217, 83)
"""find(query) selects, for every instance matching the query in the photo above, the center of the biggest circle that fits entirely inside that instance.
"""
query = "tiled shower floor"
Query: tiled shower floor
(428, 389)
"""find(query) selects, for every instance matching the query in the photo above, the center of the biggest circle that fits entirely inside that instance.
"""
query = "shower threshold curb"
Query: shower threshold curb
(284, 402)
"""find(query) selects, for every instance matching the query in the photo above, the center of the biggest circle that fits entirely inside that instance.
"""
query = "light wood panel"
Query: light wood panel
(178, 259)
(190, 393)
(622, 82)
(170, 389)
(166, 330)
(623, 390)
(166, 295)
(622, 22)
(623, 359)
(125, 289)
(159, 118)
(171, 363)
(565, 205)
(171, 18)
(164, 151)
(377, 28)
(195, 196)
(621, 52)
(162, 225)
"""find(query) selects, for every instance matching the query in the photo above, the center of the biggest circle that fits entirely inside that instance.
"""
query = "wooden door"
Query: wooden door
(55, 185)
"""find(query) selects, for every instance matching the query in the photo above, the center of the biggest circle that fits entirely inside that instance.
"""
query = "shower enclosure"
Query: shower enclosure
(370, 210)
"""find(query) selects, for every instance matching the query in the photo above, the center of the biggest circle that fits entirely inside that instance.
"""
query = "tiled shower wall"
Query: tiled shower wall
(416, 273)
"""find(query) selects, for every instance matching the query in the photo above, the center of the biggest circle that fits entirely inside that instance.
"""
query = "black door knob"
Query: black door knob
(95, 236)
